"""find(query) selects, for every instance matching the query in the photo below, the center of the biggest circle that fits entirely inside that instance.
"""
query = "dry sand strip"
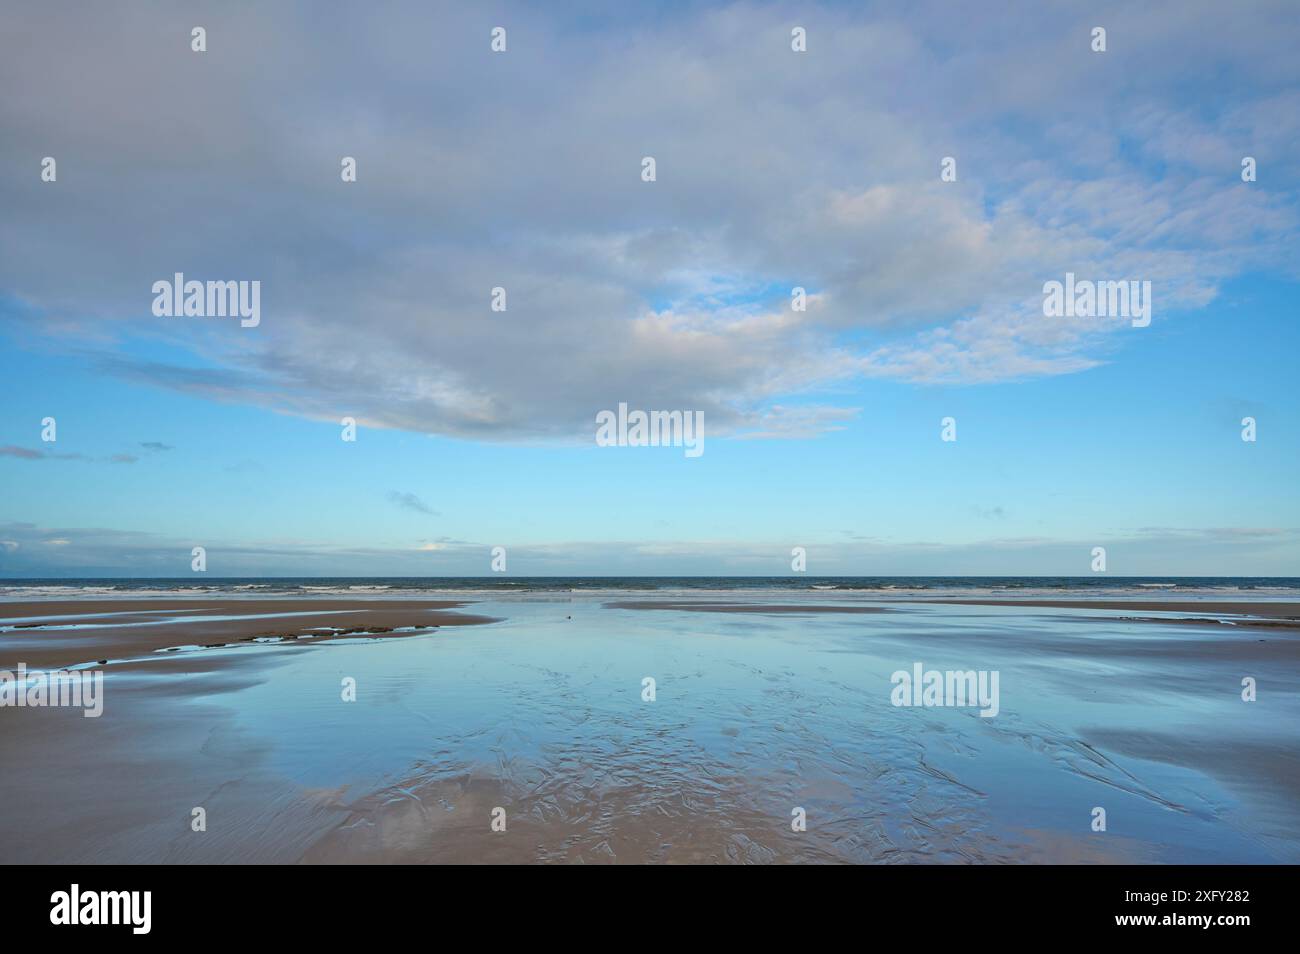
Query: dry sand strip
(116, 629)
(725, 607)
(1272, 615)
(1261, 613)
(1217, 607)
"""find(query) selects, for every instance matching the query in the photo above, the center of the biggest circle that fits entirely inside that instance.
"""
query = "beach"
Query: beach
(63, 633)
(725, 725)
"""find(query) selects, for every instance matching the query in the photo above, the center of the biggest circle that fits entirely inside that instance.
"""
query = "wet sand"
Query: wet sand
(120, 788)
(1259, 615)
(762, 708)
(697, 606)
(69, 633)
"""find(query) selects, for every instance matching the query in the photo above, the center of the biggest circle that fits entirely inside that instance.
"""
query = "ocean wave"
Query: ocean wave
(539, 587)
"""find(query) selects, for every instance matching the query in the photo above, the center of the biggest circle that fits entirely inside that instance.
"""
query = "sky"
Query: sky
(774, 169)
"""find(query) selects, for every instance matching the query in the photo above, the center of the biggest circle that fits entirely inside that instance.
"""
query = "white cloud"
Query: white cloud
(522, 170)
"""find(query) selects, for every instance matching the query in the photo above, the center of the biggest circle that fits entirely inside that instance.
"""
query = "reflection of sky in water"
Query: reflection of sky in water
(756, 714)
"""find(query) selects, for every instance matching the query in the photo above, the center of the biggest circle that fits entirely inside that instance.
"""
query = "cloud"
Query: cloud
(27, 453)
(775, 169)
(23, 453)
(156, 446)
(30, 550)
(1222, 533)
(411, 502)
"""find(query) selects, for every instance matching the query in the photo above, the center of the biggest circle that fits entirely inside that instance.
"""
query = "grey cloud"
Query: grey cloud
(409, 501)
(27, 453)
(23, 453)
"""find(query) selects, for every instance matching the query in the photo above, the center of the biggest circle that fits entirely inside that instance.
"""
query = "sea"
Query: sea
(1065, 587)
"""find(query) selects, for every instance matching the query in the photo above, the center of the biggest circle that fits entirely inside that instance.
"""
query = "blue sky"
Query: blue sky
(521, 169)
